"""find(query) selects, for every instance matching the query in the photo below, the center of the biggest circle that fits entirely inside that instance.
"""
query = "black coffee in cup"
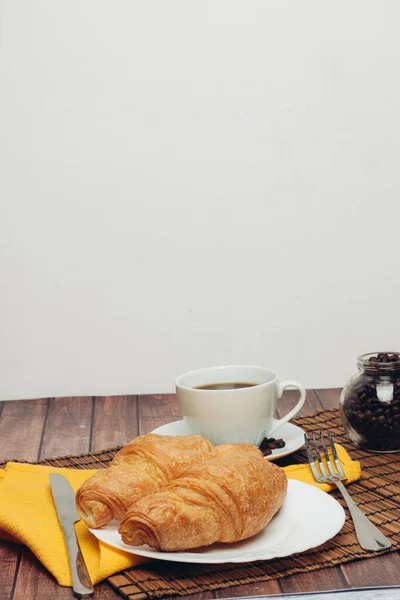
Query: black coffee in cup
(235, 385)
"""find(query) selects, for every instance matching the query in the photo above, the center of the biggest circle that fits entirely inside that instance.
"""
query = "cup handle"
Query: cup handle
(281, 387)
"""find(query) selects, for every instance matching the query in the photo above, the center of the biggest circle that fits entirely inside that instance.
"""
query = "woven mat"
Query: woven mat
(377, 492)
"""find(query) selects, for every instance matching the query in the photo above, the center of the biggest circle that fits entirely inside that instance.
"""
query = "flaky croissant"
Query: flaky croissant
(229, 498)
(145, 465)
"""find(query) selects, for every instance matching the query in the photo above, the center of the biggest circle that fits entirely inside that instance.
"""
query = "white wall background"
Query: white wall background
(186, 184)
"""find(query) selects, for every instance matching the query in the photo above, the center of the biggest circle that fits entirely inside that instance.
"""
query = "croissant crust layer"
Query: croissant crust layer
(229, 498)
(145, 465)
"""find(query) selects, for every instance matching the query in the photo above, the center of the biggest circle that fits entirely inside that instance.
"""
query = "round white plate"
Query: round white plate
(292, 435)
(308, 518)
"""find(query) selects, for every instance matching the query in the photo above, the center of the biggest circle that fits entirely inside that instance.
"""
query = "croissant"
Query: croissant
(230, 498)
(145, 465)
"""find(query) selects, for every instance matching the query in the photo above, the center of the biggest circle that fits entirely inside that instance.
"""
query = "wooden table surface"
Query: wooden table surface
(34, 429)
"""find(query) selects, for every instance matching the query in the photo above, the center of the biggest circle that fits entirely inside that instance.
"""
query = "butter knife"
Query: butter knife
(64, 500)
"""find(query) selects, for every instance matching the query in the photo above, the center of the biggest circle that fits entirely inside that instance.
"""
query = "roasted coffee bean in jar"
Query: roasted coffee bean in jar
(370, 403)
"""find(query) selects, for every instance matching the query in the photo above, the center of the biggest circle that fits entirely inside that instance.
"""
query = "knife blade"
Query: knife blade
(64, 500)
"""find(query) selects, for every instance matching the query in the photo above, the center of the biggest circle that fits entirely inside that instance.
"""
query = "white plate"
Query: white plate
(308, 518)
(292, 435)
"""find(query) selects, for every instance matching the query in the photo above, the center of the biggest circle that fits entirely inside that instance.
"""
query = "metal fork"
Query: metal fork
(369, 537)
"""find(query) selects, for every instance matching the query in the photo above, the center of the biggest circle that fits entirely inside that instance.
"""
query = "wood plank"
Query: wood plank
(201, 596)
(115, 421)
(325, 579)
(156, 410)
(104, 591)
(329, 397)
(68, 426)
(37, 583)
(70, 420)
(385, 569)
(392, 593)
(67, 431)
(9, 561)
(21, 426)
(289, 399)
(322, 580)
(381, 570)
(266, 588)
(34, 581)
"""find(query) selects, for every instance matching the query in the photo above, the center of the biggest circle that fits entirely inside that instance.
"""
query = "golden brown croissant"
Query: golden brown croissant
(229, 498)
(145, 465)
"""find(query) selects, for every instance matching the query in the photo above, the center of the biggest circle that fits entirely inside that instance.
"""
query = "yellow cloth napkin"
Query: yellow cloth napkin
(28, 516)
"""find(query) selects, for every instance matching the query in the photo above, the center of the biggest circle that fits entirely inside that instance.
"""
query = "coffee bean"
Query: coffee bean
(269, 444)
(266, 451)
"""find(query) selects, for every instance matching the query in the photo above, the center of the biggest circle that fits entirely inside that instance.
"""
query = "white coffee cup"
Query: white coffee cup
(232, 416)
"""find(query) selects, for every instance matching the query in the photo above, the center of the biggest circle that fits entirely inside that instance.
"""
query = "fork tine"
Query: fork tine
(328, 460)
(319, 458)
(336, 458)
(314, 469)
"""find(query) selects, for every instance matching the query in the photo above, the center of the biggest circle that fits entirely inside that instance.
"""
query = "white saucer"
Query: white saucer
(292, 435)
(307, 519)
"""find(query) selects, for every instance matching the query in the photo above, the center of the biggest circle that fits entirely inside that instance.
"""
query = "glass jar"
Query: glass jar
(370, 403)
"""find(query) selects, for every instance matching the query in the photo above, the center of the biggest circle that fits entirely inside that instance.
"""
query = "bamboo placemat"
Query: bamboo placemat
(377, 492)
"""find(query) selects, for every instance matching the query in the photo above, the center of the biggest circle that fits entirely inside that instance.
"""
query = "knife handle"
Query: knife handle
(81, 583)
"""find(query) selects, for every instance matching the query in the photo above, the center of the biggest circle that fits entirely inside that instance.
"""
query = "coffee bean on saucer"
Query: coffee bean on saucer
(266, 451)
(269, 444)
